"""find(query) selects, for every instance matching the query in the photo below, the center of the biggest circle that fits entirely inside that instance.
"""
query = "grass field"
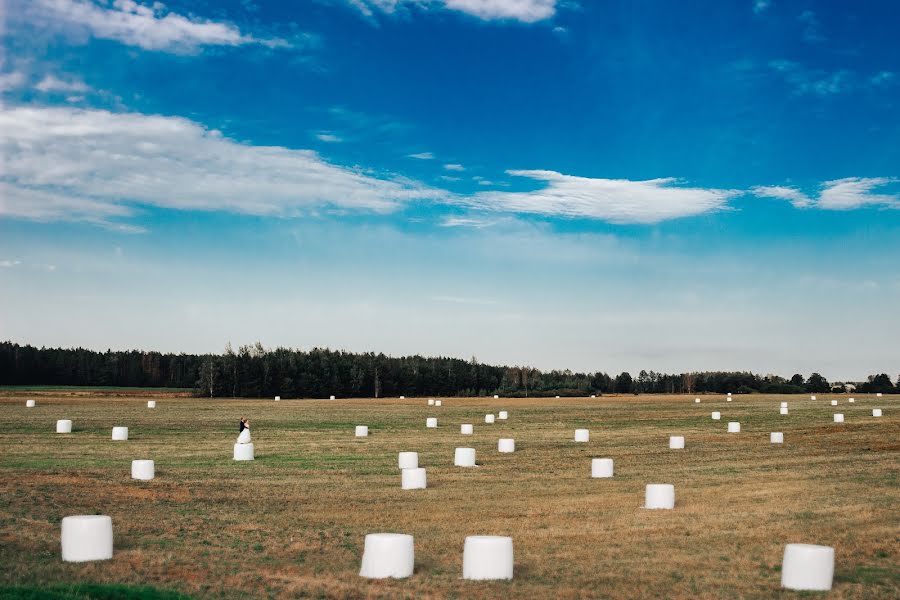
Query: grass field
(291, 523)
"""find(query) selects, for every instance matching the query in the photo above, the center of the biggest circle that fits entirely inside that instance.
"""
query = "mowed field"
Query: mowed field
(291, 523)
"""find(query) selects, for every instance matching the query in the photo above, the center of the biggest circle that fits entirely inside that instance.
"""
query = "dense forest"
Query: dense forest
(253, 371)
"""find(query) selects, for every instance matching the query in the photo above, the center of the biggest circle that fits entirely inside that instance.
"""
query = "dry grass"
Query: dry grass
(291, 523)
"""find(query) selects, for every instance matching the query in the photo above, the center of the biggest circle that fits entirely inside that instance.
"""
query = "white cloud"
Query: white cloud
(51, 83)
(614, 200)
(854, 192)
(882, 78)
(90, 165)
(421, 156)
(761, 6)
(8, 264)
(813, 81)
(795, 196)
(525, 11)
(467, 222)
(454, 167)
(12, 80)
(329, 137)
(151, 27)
(840, 194)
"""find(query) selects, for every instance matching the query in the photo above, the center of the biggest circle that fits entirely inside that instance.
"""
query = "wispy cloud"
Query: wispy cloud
(813, 81)
(614, 200)
(839, 194)
(52, 83)
(882, 78)
(761, 6)
(421, 156)
(8, 264)
(96, 166)
(812, 28)
(11, 80)
(467, 222)
(147, 26)
(329, 137)
(454, 167)
(523, 11)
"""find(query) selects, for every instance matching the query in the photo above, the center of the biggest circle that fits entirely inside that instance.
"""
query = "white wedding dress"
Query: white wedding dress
(244, 438)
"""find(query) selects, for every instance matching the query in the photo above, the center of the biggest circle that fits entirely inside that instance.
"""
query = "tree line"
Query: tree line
(254, 371)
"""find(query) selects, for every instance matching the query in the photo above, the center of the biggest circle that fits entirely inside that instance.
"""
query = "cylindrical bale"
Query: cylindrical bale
(120, 434)
(244, 436)
(86, 537)
(601, 467)
(503, 415)
(729, 393)
(696, 400)
(438, 402)
(489, 418)
(783, 410)
(716, 415)
(812, 397)
(362, 430)
(431, 402)
(506, 445)
(676, 442)
(388, 555)
(151, 403)
(851, 400)
(408, 460)
(784, 405)
(278, 398)
(431, 422)
(464, 457)
(878, 395)
(876, 412)
(593, 395)
(331, 397)
(29, 404)
(776, 437)
(838, 417)
(659, 496)
(734, 427)
(488, 557)
(243, 452)
(403, 397)
(413, 479)
(807, 567)
(582, 435)
(145, 470)
(834, 402)
(466, 429)
(64, 426)
(496, 397)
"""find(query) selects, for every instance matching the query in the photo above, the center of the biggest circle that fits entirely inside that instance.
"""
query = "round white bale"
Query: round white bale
(151, 403)
(488, 557)
(496, 397)
(145, 470)
(601, 467)
(243, 452)
(807, 567)
(431, 422)
(783, 410)
(362, 430)
(464, 457)
(408, 460)
(659, 496)
(838, 417)
(776, 437)
(784, 405)
(506, 445)
(696, 400)
(431, 402)
(64, 426)
(676, 442)
(413, 479)
(503, 415)
(582, 435)
(716, 415)
(466, 429)
(120, 434)
(438, 402)
(812, 397)
(29, 404)
(278, 398)
(876, 412)
(86, 537)
(388, 555)
(489, 418)
(734, 427)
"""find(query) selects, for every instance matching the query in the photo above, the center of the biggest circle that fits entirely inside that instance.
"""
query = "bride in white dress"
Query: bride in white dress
(244, 437)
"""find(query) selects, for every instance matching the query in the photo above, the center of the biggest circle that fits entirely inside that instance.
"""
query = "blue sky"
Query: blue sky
(599, 186)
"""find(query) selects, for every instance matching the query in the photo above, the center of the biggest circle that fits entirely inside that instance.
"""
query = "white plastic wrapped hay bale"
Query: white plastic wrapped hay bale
(403, 397)
(30, 404)
(784, 405)
(431, 402)
(807, 567)
(876, 412)
(86, 537)
(716, 415)
(734, 427)
(388, 555)
(878, 395)
(496, 397)
(362, 431)
(659, 496)
(487, 557)
(145, 470)
(278, 398)
(696, 400)
(838, 417)
(601, 468)
(244, 452)
(408, 460)
(331, 397)
(834, 403)
(812, 397)
(464, 457)
(776, 437)
(676, 442)
(582, 435)
(506, 445)
(466, 429)
(489, 419)
(503, 415)
(431, 422)
(438, 403)
(851, 400)
(119, 434)
(783, 410)
(151, 403)
(413, 479)
(64, 426)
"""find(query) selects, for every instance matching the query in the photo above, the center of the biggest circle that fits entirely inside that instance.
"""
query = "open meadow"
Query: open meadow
(291, 523)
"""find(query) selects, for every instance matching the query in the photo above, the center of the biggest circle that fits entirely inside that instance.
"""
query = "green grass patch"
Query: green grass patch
(88, 591)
